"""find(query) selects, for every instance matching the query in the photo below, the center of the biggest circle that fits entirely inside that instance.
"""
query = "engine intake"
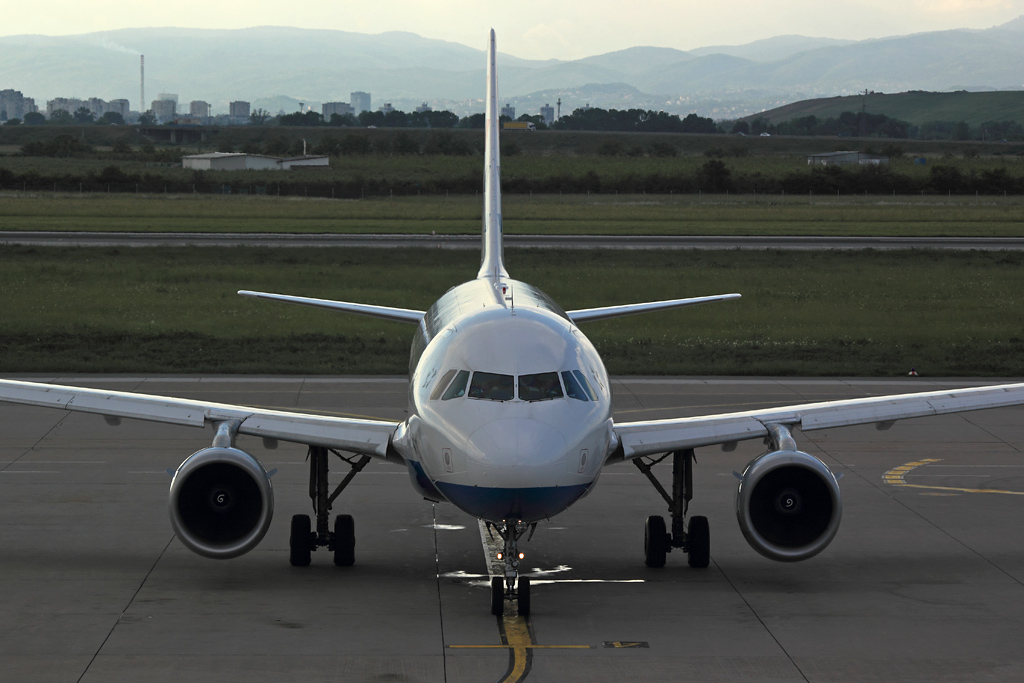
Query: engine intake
(221, 502)
(788, 505)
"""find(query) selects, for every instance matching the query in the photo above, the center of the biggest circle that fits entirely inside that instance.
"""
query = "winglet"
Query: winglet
(492, 258)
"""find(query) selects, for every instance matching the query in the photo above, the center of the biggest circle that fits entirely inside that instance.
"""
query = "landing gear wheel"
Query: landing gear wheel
(344, 541)
(497, 596)
(698, 541)
(524, 596)
(300, 542)
(655, 542)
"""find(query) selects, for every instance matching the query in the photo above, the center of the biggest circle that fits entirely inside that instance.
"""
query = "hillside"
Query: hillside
(315, 66)
(916, 107)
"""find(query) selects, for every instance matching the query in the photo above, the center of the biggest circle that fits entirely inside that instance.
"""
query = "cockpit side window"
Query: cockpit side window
(585, 384)
(573, 388)
(540, 387)
(491, 386)
(458, 387)
(442, 383)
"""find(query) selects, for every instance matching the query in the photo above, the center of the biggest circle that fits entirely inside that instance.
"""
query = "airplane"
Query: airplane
(510, 421)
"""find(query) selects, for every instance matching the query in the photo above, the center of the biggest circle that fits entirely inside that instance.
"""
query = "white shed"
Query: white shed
(230, 161)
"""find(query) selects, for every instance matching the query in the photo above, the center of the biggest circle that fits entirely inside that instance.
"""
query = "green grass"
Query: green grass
(523, 214)
(916, 107)
(804, 313)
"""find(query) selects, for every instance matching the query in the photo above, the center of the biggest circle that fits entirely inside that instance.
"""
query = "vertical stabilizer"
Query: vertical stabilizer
(492, 262)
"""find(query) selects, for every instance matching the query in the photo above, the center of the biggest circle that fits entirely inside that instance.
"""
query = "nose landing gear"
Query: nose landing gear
(511, 586)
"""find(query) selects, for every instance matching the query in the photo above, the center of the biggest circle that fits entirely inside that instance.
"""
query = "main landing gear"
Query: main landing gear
(342, 541)
(695, 539)
(511, 586)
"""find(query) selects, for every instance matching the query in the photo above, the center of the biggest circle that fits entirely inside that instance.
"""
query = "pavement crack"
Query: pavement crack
(760, 621)
(440, 605)
(131, 600)
(38, 441)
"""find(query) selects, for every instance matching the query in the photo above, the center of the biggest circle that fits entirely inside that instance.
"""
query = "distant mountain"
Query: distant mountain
(771, 49)
(1013, 25)
(638, 60)
(288, 65)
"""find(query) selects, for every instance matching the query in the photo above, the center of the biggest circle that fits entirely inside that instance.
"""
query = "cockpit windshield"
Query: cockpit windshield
(492, 387)
(539, 387)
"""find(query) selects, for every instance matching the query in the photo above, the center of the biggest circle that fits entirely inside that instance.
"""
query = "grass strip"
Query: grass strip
(539, 215)
(803, 313)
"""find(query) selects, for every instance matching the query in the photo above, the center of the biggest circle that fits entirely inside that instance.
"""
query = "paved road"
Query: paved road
(924, 582)
(131, 239)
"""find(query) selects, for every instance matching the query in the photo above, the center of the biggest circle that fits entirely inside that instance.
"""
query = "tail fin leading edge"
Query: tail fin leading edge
(492, 263)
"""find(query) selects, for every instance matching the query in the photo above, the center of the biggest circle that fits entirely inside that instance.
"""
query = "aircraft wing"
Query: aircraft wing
(402, 315)
(651, 437)
(367, 437)
(604, 312)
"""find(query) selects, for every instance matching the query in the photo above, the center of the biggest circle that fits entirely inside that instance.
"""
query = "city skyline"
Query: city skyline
(534, 30)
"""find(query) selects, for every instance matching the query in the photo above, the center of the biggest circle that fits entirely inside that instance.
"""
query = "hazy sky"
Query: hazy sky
(568, 29)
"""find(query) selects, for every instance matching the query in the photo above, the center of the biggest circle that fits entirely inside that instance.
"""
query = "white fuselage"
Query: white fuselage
(509, 403)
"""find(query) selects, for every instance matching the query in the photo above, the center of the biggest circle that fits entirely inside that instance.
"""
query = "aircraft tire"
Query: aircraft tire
(698, 552)
(655, 542)
(300, 542)
(497, 596)
(344, 541)
(523, 608)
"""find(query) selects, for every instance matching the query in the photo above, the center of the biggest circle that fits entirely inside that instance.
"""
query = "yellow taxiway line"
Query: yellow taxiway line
(896, 477)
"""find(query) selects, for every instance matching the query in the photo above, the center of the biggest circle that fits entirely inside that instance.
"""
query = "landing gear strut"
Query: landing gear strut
(342, 541)
(512, 586)
(695, 539)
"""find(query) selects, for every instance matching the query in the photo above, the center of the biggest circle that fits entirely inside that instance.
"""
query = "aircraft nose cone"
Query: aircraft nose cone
(515, 443)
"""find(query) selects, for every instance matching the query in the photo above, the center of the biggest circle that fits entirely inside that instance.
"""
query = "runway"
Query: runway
(191, 239)
(924, 582)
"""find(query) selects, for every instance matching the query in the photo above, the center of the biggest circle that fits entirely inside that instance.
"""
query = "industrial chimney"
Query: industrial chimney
(142, 84)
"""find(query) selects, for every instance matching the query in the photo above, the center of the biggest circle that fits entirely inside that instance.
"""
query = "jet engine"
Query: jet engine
(221, 502)
(788, 505)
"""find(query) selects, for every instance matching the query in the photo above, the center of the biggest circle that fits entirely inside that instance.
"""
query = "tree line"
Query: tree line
(713, 176)
(590, 118)
(864, 124)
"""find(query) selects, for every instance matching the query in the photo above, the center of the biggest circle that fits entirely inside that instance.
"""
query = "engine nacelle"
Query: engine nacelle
(221, 502)
(788, 505)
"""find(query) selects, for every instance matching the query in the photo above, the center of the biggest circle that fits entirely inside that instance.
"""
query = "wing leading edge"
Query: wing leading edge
(366, 437)
(402, 315)
(604, 312)
(638, 439)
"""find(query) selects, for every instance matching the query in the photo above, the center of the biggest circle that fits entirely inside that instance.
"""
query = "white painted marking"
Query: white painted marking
(492, 546)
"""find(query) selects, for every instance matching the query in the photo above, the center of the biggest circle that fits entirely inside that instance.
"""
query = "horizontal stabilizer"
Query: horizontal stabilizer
(404, 315)
(588, 314)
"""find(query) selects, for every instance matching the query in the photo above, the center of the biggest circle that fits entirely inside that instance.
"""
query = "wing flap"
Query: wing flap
(659, 436)
(648, 438)
(357, 436)
(141, 408)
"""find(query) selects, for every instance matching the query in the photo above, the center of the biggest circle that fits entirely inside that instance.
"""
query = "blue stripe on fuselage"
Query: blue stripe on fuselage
(421, 482)
(526, 504)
